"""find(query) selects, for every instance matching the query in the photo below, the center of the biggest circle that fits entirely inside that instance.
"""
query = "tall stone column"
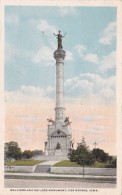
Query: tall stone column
(59, 55)
(59, 130)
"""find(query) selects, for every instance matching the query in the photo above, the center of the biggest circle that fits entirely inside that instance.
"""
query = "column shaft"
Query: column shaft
(59, 110)
(59, 86)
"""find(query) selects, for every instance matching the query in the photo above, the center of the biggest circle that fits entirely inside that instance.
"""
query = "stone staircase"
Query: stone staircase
(42, 169)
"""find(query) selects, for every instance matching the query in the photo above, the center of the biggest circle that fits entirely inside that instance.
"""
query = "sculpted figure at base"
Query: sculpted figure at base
(51, 121)
(45, 143)
(66, 121)
(72, 144)
(59, 37)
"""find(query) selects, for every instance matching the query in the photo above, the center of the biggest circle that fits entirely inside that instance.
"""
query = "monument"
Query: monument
(59, 130)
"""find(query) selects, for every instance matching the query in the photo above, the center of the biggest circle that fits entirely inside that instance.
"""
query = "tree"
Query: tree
(114, 162)
(37, 152)
(100, 155)
(73, 155)
(27, 154)
(12, 150)
(82, 155)
(110, 159)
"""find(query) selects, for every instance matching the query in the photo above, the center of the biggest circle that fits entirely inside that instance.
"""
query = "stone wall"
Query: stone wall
(88, 171)
(28, 169)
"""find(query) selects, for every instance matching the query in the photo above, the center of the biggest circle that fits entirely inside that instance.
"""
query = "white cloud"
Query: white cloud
(28, 94)
(43, 26)
(87, 86)
(108, 34)
(32, 91)
(71, 81)
(49, 89)
(91, 87)
(90, 118)
(25, 129)
(46, 31)
(83, 85)
(22, 132)
(81, 50)
(111, 81)
(12, 19)
(30, 118)
(78, 87)
(96, 79)
(66, 11)
(105, 63)
(44, 54)
(107, 93)
(77, 84)
(108, 62)
(69, 56)
(95, 129)
(89, 57)
(99, 141)
(12, 53)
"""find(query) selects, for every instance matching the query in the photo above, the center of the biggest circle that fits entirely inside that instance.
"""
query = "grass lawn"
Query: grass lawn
(23, 162)
(67, 163)
(103, 165)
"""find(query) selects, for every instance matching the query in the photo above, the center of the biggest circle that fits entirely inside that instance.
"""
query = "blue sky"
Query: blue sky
(89, 72)
(90, 44)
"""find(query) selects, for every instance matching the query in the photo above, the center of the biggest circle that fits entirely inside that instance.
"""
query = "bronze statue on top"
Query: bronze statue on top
(59, 37)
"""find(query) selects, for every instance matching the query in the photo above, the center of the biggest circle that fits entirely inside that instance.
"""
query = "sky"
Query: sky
(89, 73)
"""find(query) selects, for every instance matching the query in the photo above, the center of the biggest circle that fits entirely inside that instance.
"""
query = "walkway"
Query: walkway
(61, 176)
(79, 186)
(44, 167)
(51, 163)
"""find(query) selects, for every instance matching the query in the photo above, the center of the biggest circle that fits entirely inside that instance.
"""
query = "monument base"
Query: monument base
(59, 135)
(58, 152)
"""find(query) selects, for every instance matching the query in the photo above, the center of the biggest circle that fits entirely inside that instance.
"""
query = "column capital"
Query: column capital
(59, 53)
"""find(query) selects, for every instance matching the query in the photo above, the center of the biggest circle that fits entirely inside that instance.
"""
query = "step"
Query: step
(42, 169)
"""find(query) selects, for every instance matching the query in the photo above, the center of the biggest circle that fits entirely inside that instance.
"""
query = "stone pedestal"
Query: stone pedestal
(58, 152)
(59, 133)
(46, 152)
